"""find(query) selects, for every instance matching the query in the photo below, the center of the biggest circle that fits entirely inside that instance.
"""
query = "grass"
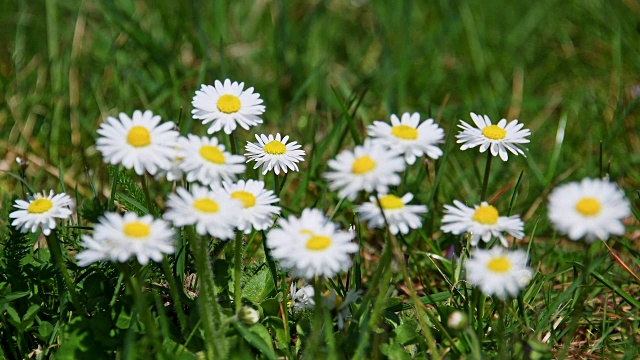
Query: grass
(326, 70)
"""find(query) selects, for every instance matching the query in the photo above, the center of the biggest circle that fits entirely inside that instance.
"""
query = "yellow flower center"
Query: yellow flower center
(339, 299)
(247, 198)
(228, 104)
(206, 205)
(275, 147)
(404, 132)
(136, 229)
(39, 206)
(139, 136)
(212, 154)
(390, 202)
(363, 165)
(316, 242)
(486, 215)
(588, 206)
(499, 264)
(494, 132)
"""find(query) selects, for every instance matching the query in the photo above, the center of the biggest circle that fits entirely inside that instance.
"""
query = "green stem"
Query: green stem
(485, 181)
(414, 298)
(173, 288)
(275, 184)
(501, 327)
(56, 250)
(147, 196)
(479, 300)
(378, 303)
(232, 143)
(237, 271)
(135, 288)
(209, 307)
(316, 327)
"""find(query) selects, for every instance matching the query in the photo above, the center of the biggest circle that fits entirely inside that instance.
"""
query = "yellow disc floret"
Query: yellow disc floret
(275, 147)
(247, 198)
(39, 206)
(212, 154)
(229, 104)
(206, 205)
(588, 206)
(139, 136)
(136, 229)
(494, 132)
(404, 132)
(486, 215)
(499, 264)
(318, 242)
(363, 165)
(390, 202)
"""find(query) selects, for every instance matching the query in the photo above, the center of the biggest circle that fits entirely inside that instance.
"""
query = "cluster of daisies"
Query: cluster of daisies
(216, 199)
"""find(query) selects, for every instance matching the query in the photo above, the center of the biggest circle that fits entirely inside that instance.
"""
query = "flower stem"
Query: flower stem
(135, 287)
(485, 181)
(237, 271)
(502, 326)
(56, 250)
(209, 307)
(316, 327)
(147, 196)
(173, 288)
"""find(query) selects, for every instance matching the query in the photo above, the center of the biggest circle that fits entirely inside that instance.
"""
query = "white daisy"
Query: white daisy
(274, 153)
(311, 245)
(41, 211)
(339, 305)
(401, 217)
(174, 172)
(141, 142)
(224, 105)
(592, 209)
(498, 271)
(212, 211)
(120, 237)
(205, 160)
(369, 167)
(500, 137)
(482, 222)
(301, 299)
(256, 211)
(407, 137)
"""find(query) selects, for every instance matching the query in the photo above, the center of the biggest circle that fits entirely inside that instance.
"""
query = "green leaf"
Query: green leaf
(259, 286)
(255, 340)
(44, 330)
(407, 332)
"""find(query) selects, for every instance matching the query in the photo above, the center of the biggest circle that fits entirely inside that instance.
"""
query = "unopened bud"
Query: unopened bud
(457, 320)
(248, 315)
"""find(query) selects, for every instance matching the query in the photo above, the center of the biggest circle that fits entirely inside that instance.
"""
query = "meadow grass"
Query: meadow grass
(568, 70)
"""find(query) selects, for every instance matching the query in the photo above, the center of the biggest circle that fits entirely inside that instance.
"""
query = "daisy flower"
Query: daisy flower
(41, 211)
(311, 245)
(205, 160)
(274, 153)
(211, 211)
(340, 305)
(369, 167)
(407, 137)
(592, 209)
(224, 105)
(301, 299)
(173, 173)
(120, 237)
(498, 271)
(401, 217)
(140, 142)
(256, 209)
(500, 137)
(482, 222)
